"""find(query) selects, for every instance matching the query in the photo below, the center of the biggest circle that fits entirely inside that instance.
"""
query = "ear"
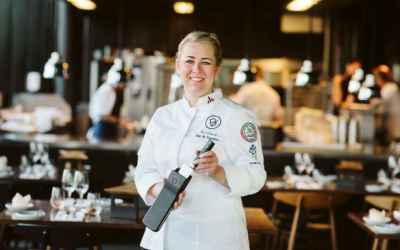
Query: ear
(177, 64)
(218, 69)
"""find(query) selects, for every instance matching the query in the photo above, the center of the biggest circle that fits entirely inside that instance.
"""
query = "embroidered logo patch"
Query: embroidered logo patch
(249, 132)
(253, 151)
(210, 100)
(213, 122)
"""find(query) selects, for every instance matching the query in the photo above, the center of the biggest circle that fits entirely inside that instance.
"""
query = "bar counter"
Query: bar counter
(368, 152)
(110, 160)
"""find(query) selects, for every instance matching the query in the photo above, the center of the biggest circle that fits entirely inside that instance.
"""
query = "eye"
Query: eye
(189, 61)
(206, 63)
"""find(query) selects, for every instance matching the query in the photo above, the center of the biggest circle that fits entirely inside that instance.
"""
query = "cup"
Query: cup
(94, 203)
(56, 197)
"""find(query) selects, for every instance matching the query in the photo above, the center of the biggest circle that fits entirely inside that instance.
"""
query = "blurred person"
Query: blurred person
(390, 99)
(209, 214)
(340, 92)
(105, 106)
(260, 98)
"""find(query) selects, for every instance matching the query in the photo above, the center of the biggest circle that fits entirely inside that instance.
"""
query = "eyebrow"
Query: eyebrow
(205, 58)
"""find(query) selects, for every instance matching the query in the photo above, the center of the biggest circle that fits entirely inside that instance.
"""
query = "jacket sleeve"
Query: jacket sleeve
(146, 173)
(246, 175)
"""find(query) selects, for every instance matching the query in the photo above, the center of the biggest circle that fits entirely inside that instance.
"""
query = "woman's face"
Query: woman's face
(197, 67)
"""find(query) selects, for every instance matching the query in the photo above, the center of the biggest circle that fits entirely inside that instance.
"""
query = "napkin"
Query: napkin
(308, 185)
(375, 214)
(64, 216)
(21, 201)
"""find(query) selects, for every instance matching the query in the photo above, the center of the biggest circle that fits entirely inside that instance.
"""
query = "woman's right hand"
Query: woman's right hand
(156, 189)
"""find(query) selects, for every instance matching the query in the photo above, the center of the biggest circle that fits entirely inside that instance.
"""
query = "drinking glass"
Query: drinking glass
(68, 181)
(56, 197)
(81, 181)
(94, 203)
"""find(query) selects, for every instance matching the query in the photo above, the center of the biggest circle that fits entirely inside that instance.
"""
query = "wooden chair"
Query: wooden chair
(389, 203)
(311, 201)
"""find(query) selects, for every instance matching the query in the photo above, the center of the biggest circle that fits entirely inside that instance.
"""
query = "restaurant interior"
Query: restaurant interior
(332, 156)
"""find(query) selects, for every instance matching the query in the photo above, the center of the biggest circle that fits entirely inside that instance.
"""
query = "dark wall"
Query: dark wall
(153, 25)
(366, 29)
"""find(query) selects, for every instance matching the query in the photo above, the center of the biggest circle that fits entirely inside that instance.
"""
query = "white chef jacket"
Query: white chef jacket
(211, 216)
(391, 99)
(102, 102)
(261, 99)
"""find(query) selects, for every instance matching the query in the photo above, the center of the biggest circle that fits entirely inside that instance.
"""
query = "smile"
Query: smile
(196, 79)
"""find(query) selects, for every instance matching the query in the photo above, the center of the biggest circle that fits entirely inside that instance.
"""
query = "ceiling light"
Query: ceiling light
(301, 5)
(83, 4)
(183, 7)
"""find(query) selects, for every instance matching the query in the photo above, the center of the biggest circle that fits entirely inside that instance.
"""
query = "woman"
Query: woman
(210, 214)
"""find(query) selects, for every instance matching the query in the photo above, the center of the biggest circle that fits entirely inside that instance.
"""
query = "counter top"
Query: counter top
(369, 151)
(68, 142)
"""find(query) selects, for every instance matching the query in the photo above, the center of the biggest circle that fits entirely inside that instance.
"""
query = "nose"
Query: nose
(196, 68)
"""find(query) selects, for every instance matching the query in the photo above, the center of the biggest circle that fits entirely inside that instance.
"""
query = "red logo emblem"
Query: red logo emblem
(210, 100)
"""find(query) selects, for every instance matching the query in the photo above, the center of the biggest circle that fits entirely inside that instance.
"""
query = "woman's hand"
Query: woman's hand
(156, 189)
(208, 164)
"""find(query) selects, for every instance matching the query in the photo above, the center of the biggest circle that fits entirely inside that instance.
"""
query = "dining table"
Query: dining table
(49, 230)
(91, 231)
(378, 237)
(331, 187)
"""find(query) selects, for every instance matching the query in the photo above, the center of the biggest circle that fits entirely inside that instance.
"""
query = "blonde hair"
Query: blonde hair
(204, 38)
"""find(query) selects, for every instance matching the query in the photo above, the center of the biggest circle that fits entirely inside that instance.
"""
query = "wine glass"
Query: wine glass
(67, 180)
(81, 181)
(94, 203)
(56, 197)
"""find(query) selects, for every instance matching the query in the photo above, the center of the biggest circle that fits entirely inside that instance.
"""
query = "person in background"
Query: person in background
(261, 99)
(390, 98)
(340, 92)
(105, 106)
(209, 214)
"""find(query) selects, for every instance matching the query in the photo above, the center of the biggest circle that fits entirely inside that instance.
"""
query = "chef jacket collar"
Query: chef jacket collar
(214, 96)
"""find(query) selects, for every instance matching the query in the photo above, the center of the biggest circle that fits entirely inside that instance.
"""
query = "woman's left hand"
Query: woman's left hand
(208, 163)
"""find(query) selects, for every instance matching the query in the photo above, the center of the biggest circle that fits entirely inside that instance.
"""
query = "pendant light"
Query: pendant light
(245, 73)
(55, 66)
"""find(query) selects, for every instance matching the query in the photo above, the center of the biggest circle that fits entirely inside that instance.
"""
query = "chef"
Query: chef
(209, 214)
(105, 105)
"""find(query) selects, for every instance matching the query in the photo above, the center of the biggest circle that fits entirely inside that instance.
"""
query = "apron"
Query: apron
(109, 130)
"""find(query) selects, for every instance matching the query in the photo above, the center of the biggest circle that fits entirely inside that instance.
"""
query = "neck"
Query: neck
(194, 99)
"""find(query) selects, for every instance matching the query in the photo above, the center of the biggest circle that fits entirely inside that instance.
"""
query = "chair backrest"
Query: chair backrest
(311, 200)
(388, 203)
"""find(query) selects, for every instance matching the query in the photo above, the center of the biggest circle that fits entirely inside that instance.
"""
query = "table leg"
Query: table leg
(2, 230)
(384, 244)
(375, 245)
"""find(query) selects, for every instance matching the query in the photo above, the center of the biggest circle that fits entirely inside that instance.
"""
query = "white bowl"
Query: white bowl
(376, 222)
(12, 208)
(30, 214)
(387, 228)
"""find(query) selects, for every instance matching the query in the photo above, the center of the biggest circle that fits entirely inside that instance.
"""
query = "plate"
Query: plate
(387, 229)
(275, 184)
(12, 208)
(107, 202)
(30, 214)
(376, 222)
(375, 188)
